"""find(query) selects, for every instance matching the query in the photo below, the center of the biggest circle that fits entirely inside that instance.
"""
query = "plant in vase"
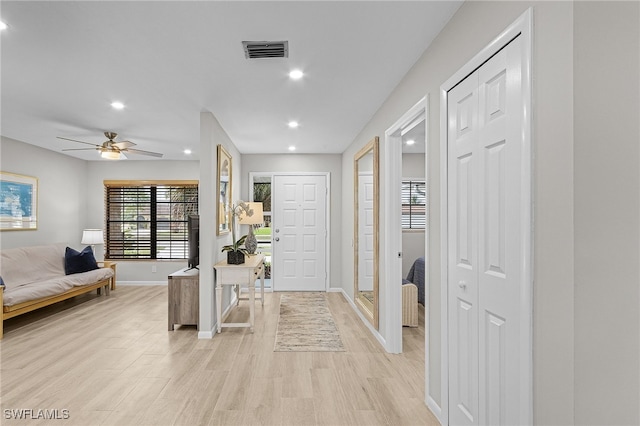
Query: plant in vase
(237, 251)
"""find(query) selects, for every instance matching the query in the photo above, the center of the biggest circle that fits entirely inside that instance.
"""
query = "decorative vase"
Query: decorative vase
(235, 257)
(251, 244)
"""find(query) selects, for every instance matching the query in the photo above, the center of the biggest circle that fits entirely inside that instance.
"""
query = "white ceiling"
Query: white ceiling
(64, 62)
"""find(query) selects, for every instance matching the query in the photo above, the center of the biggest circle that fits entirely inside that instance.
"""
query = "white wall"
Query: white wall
(607, 212)
(61, 194)
(413, 166)
(473, 27)
(212, 134)
(308, 163)
(98, 172)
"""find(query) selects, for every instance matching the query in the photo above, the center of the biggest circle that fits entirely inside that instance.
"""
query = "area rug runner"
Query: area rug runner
(306, 324)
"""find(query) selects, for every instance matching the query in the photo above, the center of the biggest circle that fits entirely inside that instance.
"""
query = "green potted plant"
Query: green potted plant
(237, 251)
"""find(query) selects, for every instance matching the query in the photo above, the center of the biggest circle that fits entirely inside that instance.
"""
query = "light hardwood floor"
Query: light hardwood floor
(111, 361)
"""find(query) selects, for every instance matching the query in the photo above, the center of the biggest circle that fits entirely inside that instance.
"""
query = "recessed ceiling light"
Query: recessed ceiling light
(296, 74)
(292, 148)
(4, 26)
(117, 105)
(293, 124)
(187, 151)
(410, 142)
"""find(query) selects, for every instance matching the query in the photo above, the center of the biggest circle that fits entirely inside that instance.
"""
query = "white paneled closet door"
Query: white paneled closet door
(485, 240)
(463, 169)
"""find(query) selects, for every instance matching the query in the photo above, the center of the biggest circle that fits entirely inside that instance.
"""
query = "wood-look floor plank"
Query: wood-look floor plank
(111, 361)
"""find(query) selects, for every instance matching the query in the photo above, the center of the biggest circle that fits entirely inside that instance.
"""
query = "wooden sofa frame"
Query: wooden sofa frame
(32, 305)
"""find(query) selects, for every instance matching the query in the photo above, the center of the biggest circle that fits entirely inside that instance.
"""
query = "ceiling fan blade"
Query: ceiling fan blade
(141, 152)
(73, 140)
(123, 144)
(80, 149)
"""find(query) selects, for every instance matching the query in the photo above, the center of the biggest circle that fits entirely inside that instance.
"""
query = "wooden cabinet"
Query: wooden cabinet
(184, 300)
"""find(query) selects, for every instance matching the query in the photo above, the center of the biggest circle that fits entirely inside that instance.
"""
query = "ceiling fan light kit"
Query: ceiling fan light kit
(110, 155)
(112, 150)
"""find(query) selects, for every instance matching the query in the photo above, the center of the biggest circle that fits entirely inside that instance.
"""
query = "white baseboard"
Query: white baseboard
(366, 322)
(434, 407)
(207, 334)
(266, 290)
(141, 283)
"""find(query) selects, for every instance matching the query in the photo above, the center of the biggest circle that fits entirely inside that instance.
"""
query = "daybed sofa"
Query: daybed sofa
(35, 277)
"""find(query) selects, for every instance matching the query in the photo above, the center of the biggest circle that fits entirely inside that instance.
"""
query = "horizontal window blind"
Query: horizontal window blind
(148, 221)
(414, 203)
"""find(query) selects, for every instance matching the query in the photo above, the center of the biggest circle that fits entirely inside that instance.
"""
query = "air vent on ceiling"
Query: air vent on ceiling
(265, 49)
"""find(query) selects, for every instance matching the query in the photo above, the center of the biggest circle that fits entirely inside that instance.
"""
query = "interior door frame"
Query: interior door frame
(327, 206)
(522, 27)
(393, 222)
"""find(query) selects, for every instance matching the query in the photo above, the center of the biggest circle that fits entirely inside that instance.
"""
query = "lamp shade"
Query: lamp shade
(92, 236)
(256, 218)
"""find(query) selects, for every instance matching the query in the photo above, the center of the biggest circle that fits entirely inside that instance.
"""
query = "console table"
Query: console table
(244, 274)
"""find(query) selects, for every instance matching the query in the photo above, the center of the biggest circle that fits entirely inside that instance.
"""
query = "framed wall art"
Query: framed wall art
(18, 202)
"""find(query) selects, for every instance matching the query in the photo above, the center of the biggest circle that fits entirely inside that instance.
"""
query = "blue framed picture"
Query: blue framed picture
(18, 202)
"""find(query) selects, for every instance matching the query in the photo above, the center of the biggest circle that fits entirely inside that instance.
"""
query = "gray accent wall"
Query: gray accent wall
(585, 140)
(62, 206)
(607, 212)
(211, 135)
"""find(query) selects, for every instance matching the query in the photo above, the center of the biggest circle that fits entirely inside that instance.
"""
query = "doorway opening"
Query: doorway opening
(406, 222)
(294, 237)
(260, 191)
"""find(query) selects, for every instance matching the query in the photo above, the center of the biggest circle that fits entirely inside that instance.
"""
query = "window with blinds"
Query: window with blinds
(148, 220)
(414, 204)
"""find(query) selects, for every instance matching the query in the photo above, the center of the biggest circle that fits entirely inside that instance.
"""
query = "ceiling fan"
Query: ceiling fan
(112, 150)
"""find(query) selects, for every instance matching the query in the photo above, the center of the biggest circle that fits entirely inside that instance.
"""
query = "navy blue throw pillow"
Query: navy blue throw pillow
(79, 261)
(1, 282)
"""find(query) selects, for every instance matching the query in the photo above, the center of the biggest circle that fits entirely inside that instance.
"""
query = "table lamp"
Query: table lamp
(92, 237)
(251, 244)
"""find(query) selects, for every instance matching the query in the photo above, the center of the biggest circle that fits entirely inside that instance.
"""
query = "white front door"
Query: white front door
(299, 232)
(486, 276)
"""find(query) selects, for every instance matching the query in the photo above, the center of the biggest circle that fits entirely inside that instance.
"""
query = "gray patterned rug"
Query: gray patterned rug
(306, 325)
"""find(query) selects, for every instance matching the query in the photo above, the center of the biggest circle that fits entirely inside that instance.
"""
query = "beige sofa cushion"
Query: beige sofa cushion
(54, 286)
(31, 273)
(24, 265)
